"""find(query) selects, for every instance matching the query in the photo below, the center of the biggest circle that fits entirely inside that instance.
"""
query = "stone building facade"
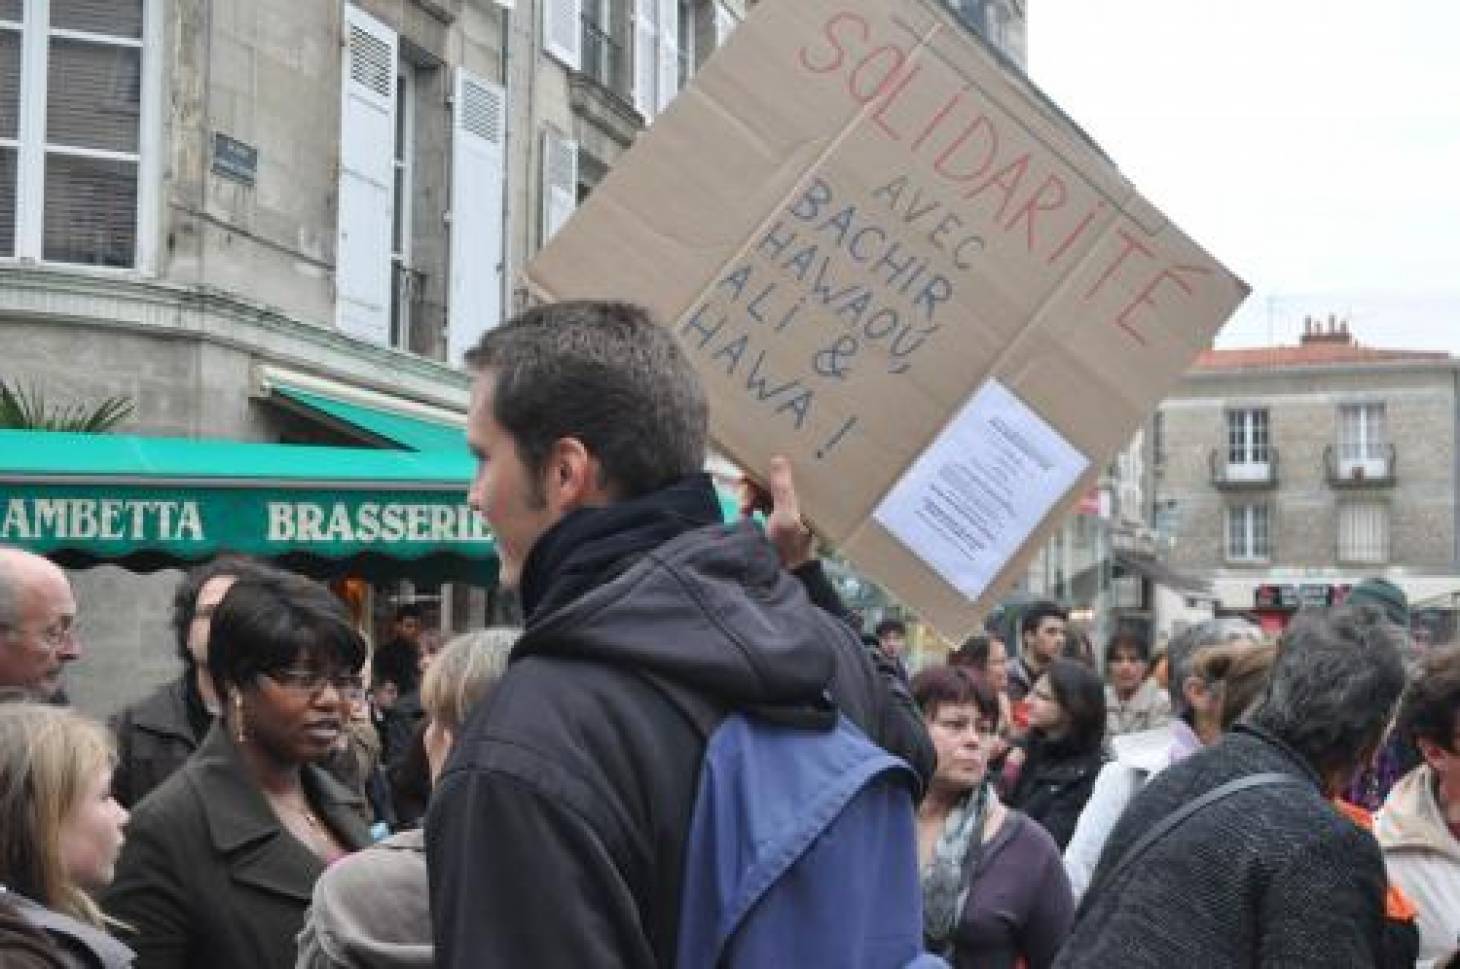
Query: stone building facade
(1286, 474)
(199, 198)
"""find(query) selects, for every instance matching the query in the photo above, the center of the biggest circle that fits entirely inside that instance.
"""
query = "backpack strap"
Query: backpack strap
(1171, 821)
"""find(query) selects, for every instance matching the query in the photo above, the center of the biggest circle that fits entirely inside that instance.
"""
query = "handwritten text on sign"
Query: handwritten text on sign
(966, 141)
(856, 275)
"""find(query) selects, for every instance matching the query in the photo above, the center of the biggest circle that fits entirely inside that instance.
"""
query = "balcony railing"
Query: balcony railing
(1243, 476)
(1369, 468)
(603, 58)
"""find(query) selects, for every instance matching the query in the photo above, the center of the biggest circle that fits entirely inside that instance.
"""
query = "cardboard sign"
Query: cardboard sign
(896, 262)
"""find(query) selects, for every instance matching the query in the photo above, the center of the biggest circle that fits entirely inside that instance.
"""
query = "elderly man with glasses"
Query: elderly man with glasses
(37, 617)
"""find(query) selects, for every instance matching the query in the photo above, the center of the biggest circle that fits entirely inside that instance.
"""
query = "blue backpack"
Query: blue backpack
(802, 850)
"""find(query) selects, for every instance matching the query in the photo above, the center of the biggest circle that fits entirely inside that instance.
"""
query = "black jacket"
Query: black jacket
(1272, 876)
(1054, 785)
(556, 833)
(209, 877)
(155, 736)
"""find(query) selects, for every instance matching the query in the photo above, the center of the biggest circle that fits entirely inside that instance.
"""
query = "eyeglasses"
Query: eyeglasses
(53, 637)
(347, 685)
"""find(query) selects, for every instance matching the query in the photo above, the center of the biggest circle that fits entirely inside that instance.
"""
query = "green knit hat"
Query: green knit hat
(1383, 595)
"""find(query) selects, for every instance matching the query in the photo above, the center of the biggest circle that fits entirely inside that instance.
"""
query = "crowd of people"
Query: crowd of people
(598, 789)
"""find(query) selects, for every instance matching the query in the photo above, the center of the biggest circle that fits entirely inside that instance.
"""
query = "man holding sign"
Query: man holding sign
(559, 831)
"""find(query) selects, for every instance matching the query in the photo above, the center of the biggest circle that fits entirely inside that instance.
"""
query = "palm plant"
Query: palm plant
(25, 408)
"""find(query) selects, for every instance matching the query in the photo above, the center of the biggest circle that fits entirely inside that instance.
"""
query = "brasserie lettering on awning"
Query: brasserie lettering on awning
(258, 521)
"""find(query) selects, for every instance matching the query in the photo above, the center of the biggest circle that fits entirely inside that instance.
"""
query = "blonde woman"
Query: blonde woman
(60, 834)
(371, 909)
(1201, 659)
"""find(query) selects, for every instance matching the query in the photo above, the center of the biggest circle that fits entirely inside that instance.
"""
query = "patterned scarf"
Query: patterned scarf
(944, 889)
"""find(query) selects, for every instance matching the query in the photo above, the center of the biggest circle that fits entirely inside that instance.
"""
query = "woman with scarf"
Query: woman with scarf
(995, 894)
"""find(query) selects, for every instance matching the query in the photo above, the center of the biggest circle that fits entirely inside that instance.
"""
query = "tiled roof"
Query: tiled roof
(1308, 355)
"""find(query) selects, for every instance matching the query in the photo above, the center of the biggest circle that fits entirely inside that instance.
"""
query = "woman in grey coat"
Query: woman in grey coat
(370, 911)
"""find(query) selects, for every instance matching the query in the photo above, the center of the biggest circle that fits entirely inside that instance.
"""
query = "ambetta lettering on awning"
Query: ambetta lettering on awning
(104, 518)
(303, 522)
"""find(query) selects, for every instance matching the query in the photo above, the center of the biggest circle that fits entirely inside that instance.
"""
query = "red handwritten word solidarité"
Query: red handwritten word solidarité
(962, 141)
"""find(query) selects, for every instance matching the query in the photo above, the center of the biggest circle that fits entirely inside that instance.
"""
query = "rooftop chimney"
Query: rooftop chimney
(1335, 333)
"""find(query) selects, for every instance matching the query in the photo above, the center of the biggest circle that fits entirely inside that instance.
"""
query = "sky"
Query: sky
(1313, 146)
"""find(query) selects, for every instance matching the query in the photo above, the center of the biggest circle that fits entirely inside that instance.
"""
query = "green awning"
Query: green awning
(383, 427)
(150, 503)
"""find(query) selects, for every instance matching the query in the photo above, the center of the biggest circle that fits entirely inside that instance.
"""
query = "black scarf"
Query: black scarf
(589, 545)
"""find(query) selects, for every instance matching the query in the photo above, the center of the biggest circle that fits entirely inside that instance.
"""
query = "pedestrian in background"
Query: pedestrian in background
(37, 625)
(1418, 827)
(221, 859)
(1043, 627)
(1197, 698)
(994, 892)
(60, 832)
(398, 660)
(1133, 701)
(1398, 756)
(892, 640)
(371, 909)
(1053, 770)
(1235, 857)
(987, 655)
(158, 733)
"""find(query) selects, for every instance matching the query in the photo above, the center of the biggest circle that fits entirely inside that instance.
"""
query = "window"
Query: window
(478, 208)
(563, 31)
(1167, 518)
(1247, 437)
(686, 42)
(368, 213)
(603, 55)
(1248, 533)
(969, 11)
(725, 23)
(559, 181)
(1158, 440)
(404, 283)
(71, 130)
(656, 54)
(1361, 436)
(1363, 533)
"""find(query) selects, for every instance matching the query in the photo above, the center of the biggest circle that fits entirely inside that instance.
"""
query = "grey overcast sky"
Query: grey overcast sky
(1311, 145)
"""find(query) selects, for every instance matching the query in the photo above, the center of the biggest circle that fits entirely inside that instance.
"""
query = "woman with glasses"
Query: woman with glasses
(221, 860)
(994, 892)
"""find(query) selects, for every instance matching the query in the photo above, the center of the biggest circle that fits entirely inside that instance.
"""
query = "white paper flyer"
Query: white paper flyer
(969, 502)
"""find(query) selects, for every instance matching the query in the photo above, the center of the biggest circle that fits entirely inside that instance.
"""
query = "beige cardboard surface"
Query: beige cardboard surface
(853, 218)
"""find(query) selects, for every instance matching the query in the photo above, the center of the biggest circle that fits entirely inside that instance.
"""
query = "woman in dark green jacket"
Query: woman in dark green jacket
(221, 860)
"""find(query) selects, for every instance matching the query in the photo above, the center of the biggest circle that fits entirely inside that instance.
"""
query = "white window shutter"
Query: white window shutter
(668, 51)
(559, 181)
(562, 30)
(367, 178)
(725, 22)
(646, 57)
(478, 167)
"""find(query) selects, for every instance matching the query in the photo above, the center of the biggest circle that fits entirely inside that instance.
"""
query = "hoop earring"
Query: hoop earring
(241, 724)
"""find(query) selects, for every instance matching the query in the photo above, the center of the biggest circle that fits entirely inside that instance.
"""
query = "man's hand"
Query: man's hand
(794, 542)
